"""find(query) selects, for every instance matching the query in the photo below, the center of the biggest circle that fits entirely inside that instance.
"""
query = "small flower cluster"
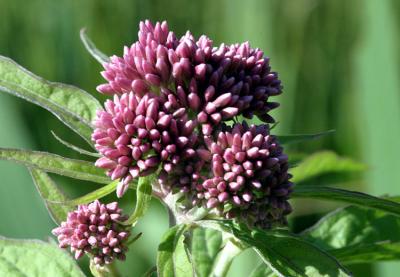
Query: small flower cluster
(249, 174)
(95, 229)
(173, 101)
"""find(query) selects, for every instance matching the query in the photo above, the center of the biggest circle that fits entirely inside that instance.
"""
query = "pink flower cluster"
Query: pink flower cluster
(134, 136)
(95, 229)
(172, 100)
(249, 168)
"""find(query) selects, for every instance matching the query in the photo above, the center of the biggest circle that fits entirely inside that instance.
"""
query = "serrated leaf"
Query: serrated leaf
(290, 139)
(75, 148)
(92, 49)
(49, 191)
(286, 254)
(22, 258)
(357, 235)
(206, 244)
(143, 198)
(73, 106)
(347, 196)
(91, 196)
(172, 258)
(48, 162)
(322, 163)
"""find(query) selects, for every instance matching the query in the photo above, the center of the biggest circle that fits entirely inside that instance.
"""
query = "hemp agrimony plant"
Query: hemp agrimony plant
(179, 126)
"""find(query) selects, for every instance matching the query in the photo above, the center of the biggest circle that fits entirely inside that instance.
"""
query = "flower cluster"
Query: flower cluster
(174, 99)
(95, 229)
(249, 174)
(134, 136)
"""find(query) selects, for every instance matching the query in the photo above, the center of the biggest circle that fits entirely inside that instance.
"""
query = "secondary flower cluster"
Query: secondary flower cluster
(95, 229)
(250, 173)
(173, 102)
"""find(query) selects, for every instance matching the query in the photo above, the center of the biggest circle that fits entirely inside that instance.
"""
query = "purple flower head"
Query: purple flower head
(95, 229)
(172, 98)
(135, 136)
(214, 83)
(250, 178)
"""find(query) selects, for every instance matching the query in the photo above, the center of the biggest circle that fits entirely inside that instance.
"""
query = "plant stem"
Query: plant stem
(109, 270)
(224, 259)
(171, 218)
(114, 272)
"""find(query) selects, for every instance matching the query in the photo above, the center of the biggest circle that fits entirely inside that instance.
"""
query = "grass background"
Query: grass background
(338, 60)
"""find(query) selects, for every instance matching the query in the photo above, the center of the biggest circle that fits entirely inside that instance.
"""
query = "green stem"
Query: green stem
(225, 258)
(114, 272)
(109, 270)
(171, 218)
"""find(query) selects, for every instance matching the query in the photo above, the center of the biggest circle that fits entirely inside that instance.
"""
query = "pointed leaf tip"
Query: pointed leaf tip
(91, 48)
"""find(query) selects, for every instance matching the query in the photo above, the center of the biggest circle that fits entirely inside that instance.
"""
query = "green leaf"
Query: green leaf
(143, 198)
(172, 259)
(322, 163)
(21, 258)
(379, 251)
(262, 270)
(286, 254)
(75, 148)
(133, 240)
(289, 139)
(351, 197)
(357, 235)
(341, 228)
(73, 106)
(91, 196)
(205, 246)
(274, 125)
(393, 198)
(49, 191)
(48, 162)
(91, 48)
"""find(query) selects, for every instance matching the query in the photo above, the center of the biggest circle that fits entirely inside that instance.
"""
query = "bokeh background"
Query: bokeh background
(338, 60)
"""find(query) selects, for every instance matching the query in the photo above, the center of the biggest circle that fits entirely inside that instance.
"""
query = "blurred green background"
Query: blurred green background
(338, 60)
